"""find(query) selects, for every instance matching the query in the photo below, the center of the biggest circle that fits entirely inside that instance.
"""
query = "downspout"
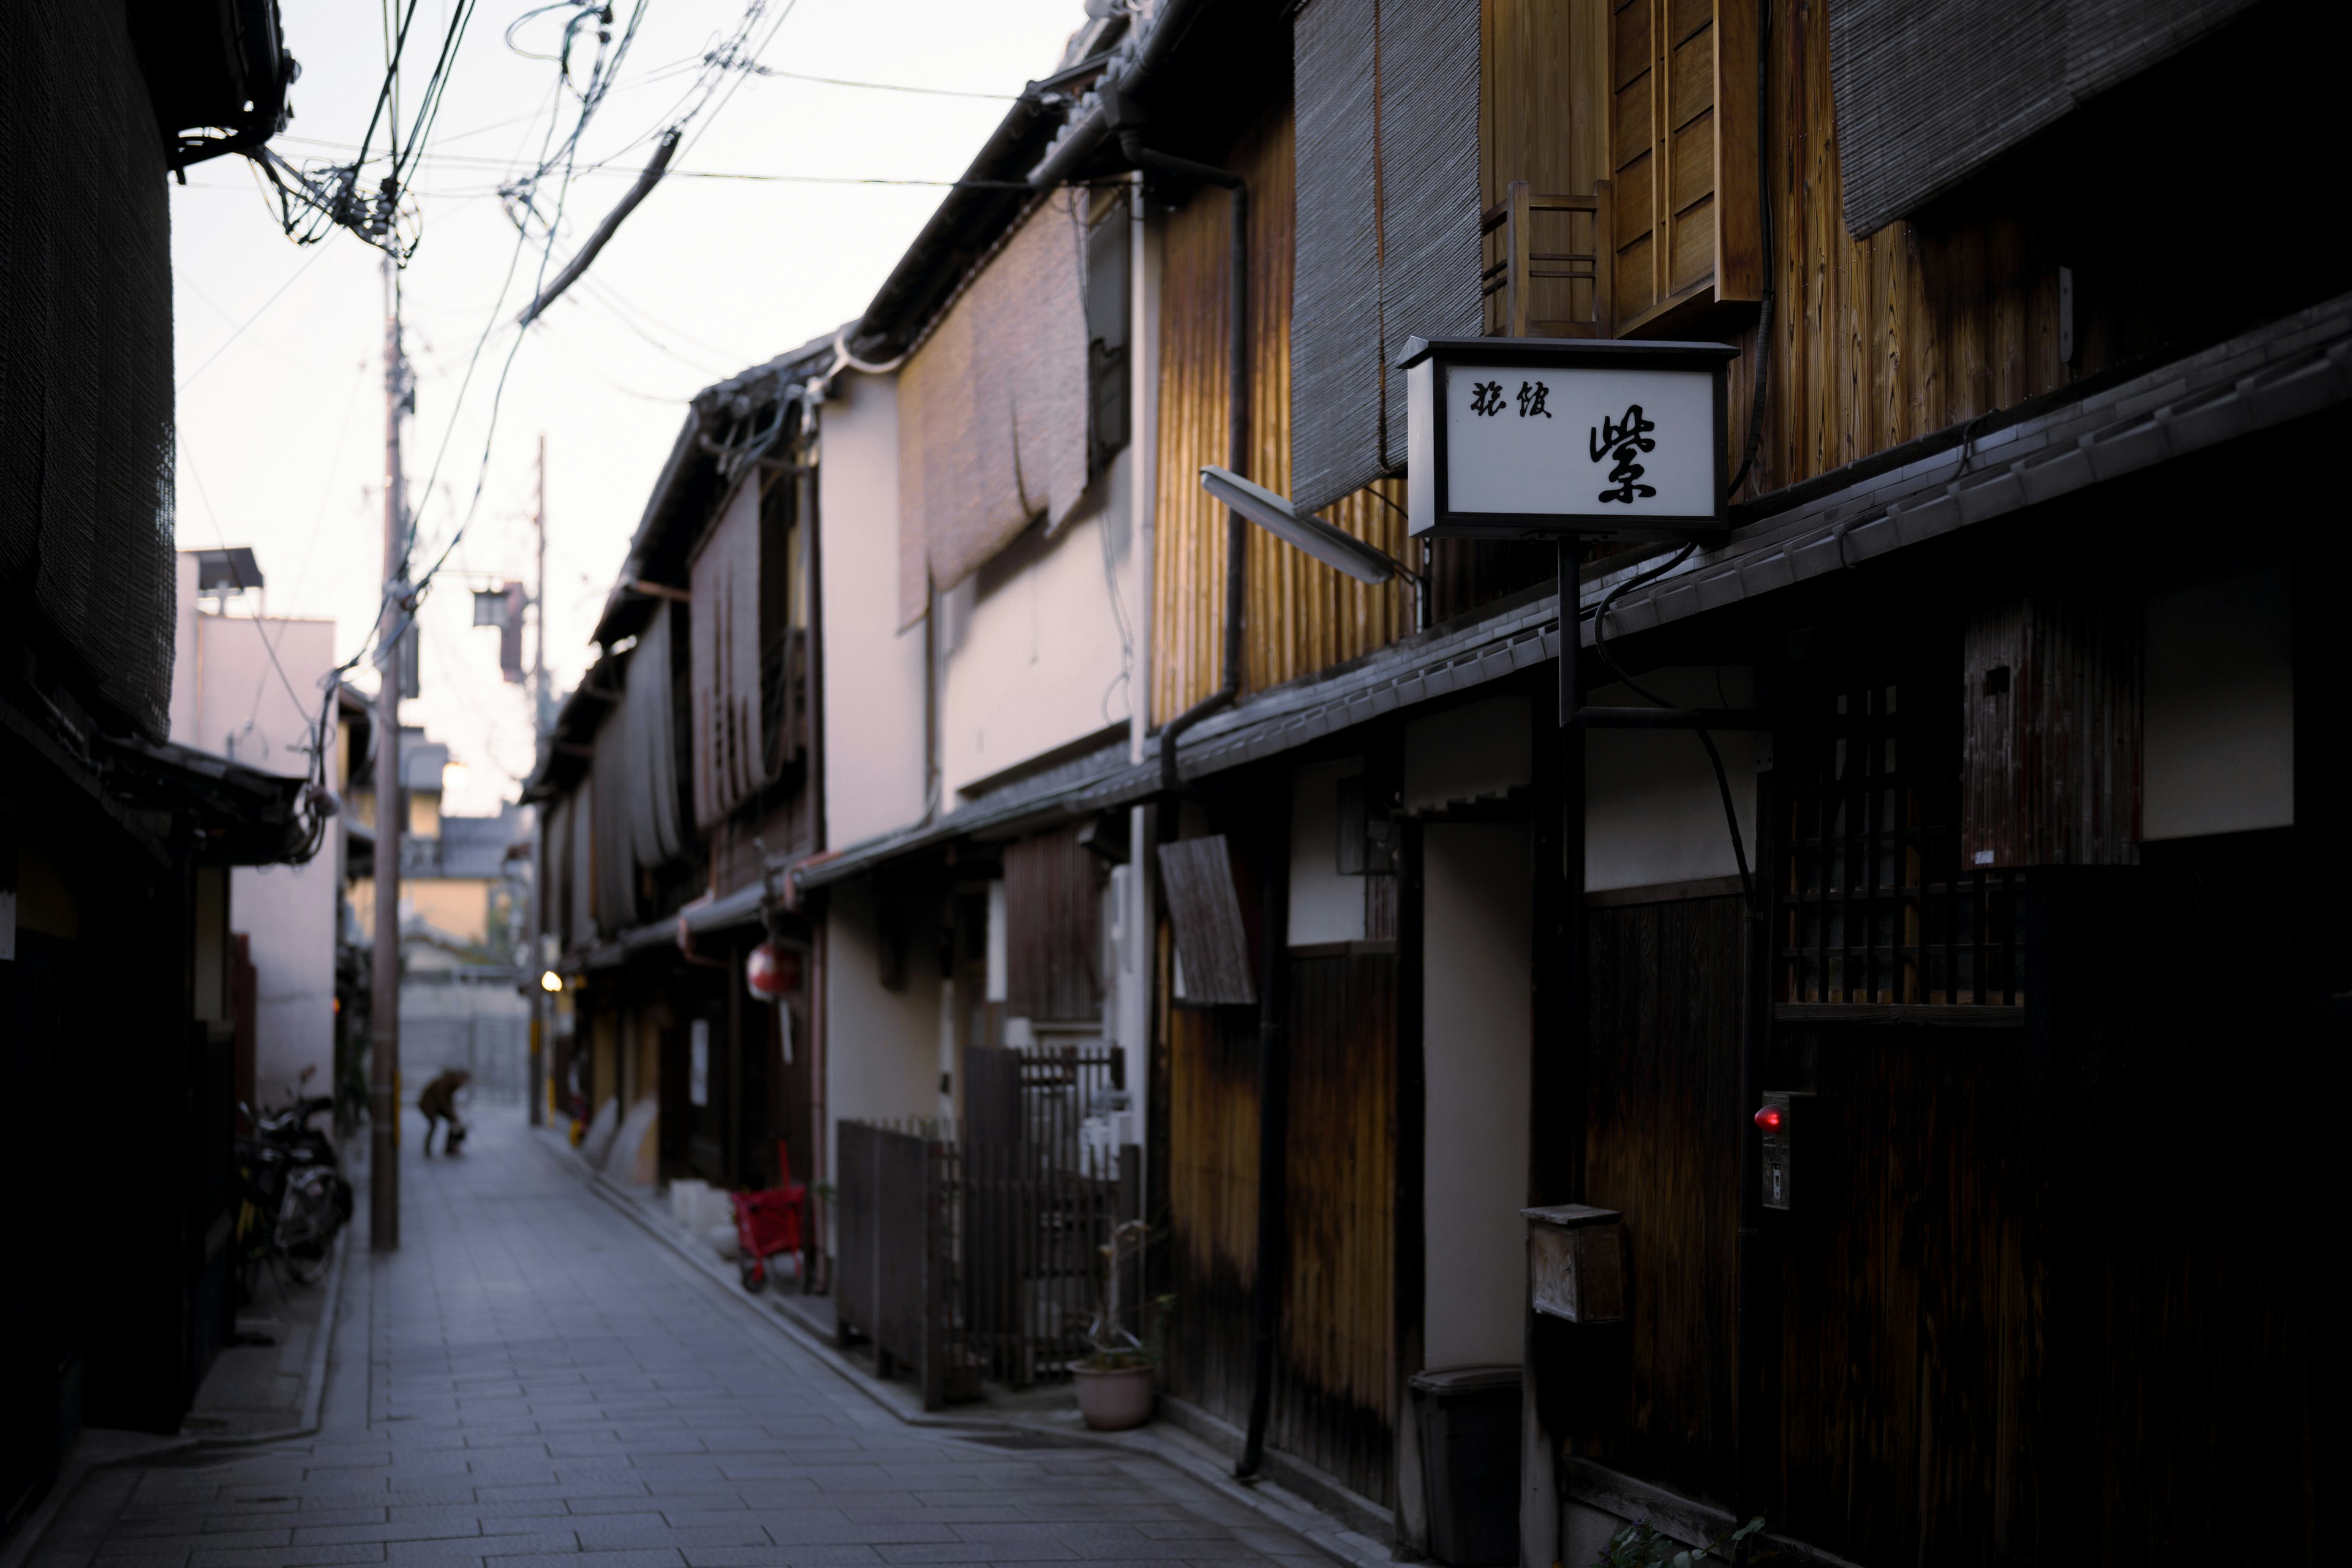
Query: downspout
(1143, 435)
(1753, 1429)
(1272, 1141)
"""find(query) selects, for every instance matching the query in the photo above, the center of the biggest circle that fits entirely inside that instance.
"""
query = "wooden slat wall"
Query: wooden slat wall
(1332, 1402)
(1300, 616)
(1335, 1365)
(1912, 1311)
(1210, 1197)
(1535, 126)
(1053, 917)
(1881, 339)
(1662, 1145)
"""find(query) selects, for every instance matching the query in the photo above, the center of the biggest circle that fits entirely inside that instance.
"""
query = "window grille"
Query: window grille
(1874, 907)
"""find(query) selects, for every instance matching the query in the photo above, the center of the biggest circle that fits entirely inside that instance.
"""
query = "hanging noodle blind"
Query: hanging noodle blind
(992, 409)
(636, 800)
(730, 762)
(1387, 95)
(1929, 92)
(580, 864)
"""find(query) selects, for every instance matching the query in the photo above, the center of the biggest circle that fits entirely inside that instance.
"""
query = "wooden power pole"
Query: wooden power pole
(383, 1012)
(540, 1011)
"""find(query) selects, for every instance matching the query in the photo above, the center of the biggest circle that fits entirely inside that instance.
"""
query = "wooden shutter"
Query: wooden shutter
(1053, 919)
(1681, 153)
(1213, 941)
(2052, 754)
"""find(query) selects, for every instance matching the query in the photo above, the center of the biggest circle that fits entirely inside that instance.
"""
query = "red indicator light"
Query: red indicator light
(1772, 1119)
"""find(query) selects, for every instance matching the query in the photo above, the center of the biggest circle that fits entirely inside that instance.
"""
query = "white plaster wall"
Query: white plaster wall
(881, 1046)
(1476, 946)
(873, 672)
(1481, 750)
(185, 657)
(1324, 905)
(2218, 747)
(288, 912)
(1653, 810)
(1033, 649)
(241, 707)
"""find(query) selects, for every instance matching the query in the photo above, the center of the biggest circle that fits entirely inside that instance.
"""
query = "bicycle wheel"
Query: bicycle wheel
(308, 1263)
(306, 1228)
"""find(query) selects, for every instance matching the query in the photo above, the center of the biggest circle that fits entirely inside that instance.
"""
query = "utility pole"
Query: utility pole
(383, 1131)
(540, 1010)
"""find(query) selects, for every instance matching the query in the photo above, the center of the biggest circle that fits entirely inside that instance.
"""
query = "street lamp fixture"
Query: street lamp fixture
(551, 981)
(1335, 547)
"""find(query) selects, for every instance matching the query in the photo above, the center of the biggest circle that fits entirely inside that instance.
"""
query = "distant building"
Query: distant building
(252, 689)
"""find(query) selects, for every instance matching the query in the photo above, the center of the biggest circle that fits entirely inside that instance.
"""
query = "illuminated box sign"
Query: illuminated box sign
(1540, 437)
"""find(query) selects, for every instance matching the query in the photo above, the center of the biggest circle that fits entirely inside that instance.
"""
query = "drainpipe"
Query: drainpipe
(1143, 498)
(1272, 1141)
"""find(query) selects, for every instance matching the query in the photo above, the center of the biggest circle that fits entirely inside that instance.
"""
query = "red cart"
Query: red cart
(769, 1223)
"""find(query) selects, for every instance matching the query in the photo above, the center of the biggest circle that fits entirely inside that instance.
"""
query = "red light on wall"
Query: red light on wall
(772, 973)
(1771, 1118)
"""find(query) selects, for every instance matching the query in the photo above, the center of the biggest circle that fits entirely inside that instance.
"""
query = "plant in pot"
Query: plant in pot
(1114, 1377)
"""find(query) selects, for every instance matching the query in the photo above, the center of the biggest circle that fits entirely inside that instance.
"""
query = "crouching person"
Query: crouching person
(439, 1104)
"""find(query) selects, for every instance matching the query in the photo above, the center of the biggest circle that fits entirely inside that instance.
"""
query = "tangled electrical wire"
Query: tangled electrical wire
(320, 196)
(316, 200)
(520, 196)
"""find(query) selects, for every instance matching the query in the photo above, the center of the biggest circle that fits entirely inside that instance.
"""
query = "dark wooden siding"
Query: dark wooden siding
(1912, 1311)
(1661, 1144)
(2046, 1291)
(1210, 1197)
(1332, 1404)
(1335, 1365)
(1052, 920)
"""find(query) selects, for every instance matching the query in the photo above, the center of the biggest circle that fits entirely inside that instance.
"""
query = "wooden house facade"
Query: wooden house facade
(2028, 801)
(678, 778)
(1982, 750)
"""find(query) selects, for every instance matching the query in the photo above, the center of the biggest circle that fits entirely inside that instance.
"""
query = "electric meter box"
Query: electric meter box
(1576, 1263)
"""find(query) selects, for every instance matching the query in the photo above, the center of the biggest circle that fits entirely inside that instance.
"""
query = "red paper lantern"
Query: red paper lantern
(772, 973)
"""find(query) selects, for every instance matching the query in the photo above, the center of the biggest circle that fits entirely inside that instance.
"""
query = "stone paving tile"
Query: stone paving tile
(532, 1382)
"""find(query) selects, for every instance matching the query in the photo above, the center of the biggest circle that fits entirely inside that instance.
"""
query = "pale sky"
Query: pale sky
(281, 420)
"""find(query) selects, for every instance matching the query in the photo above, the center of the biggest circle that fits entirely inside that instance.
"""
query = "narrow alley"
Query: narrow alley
(543, 1379)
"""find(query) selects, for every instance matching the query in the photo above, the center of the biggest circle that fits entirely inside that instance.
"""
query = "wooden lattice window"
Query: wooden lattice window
(1684, 234)
(1874, 907)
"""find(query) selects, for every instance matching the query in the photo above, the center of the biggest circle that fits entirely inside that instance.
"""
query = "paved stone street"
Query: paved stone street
(533, 1377)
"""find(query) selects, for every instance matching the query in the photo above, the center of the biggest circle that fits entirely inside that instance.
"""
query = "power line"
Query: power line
(881, 86)
(256, 315)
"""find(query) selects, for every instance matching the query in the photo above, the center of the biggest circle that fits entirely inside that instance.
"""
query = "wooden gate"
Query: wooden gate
(980, 1258)
(1041, 1197)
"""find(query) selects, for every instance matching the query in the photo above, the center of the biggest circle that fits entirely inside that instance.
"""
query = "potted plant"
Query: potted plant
(1114, 1377)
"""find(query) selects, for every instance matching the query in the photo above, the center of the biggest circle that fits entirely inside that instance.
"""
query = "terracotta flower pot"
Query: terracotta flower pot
(1115, 1399)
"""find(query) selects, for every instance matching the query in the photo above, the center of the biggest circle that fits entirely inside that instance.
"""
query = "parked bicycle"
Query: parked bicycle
(294, 1199)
